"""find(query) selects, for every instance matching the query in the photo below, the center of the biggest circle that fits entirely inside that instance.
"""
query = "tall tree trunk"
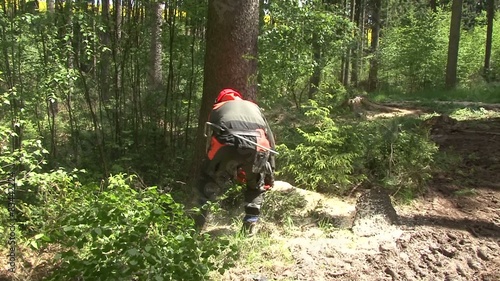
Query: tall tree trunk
(373, 74)
(118, 71)
(169, 93)
(490, 14)
(51, 6)
(349, 50)
(155, 75)
(341, 72)
(356, 52)
(117, 7)
(342, 58)
(68, 16)
(191, 87)
(10, 74)
(453, 45)
(104, 63)
(433, 5)
(230, 56)
(315, 78)
(231, 48)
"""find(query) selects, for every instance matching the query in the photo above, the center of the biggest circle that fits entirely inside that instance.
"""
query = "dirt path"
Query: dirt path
(452, 233)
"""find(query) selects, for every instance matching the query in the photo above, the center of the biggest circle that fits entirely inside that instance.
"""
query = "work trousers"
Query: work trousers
(219, 173)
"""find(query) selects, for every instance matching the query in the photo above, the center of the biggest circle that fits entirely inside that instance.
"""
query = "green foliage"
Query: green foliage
(18, 164)
(333, 157)
(465, 192)
(324, 159)
(412, 58)
(397, 153)
(413, 52)
(473, 113)
(480, 93)
(286, 43)
(119, 230)
(120, 233)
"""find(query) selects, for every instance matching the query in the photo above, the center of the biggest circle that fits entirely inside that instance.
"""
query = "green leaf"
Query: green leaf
(133, 252)
(34, 244)
(98, 231)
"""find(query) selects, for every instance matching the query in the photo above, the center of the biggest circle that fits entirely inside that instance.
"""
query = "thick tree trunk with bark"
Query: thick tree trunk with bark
(356, 54)
(453, 44)
(230, 57)
(51, 6)
(231, 48)
(373, 74)
(155, 75)
(490, 14)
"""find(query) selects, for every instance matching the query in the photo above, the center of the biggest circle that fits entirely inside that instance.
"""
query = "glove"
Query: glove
(241, 176)
(268, 181)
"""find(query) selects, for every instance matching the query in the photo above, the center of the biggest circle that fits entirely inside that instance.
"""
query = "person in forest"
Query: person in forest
(241, 148)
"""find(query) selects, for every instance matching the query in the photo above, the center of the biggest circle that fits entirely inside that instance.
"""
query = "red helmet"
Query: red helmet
(228, 94)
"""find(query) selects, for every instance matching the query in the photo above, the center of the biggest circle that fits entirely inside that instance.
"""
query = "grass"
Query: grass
(261, 255)
(465, 192)
(471, 113)
(436, 101)
(485, 94)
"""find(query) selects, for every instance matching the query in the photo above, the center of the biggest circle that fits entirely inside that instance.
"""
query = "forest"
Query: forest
(102, 106)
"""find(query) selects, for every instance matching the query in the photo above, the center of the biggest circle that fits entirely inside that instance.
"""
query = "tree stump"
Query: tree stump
(374, 213)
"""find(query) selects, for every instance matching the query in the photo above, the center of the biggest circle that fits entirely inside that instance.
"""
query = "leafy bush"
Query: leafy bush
(325, 157)
(412, 58)
(334, 157)
(120, 233)
(396, 153)
(116, 232)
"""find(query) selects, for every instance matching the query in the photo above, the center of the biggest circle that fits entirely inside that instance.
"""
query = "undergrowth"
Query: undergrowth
(117, 229)
(486, 93)
(333, 156)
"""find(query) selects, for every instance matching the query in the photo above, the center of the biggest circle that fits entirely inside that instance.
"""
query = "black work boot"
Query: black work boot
(249, 229)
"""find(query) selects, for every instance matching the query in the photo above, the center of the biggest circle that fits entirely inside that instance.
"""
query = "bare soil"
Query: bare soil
(451, 233)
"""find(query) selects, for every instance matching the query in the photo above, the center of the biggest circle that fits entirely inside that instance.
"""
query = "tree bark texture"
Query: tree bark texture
(453, 44)
(230, 56)
(231, 48)
(376, 26)
(490, 14)
(356, 53)
(155, 76)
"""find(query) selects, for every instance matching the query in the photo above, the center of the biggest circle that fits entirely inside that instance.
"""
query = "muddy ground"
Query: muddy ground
(451, 233)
